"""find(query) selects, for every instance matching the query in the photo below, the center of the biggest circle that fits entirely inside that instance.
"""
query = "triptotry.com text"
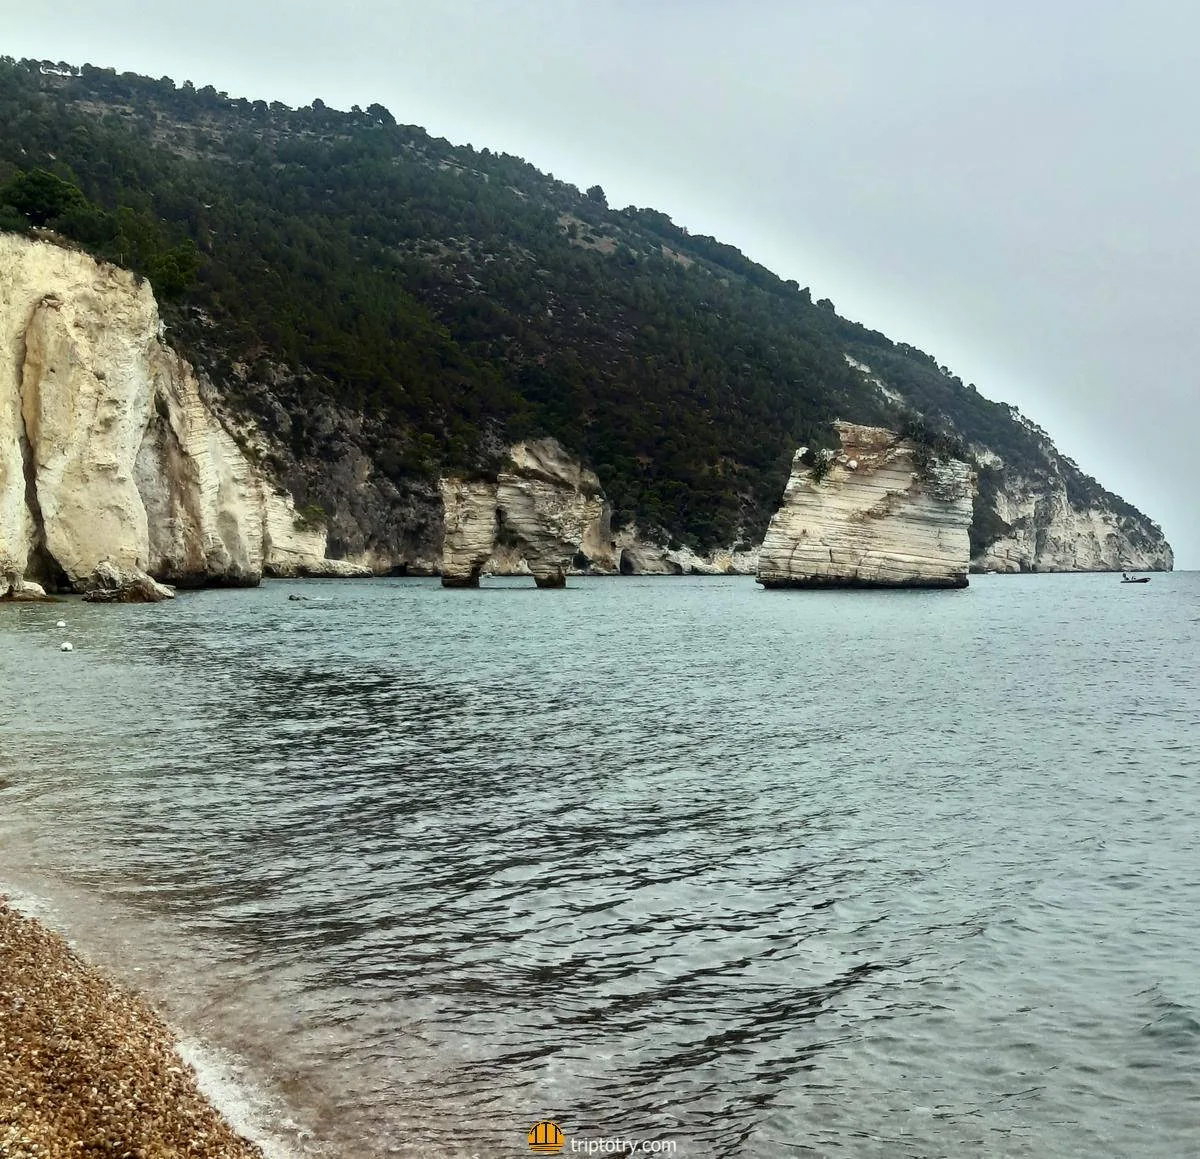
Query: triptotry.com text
(603, 1146)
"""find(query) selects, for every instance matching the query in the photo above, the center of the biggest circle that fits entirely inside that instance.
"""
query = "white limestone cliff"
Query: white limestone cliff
(638, 553)
(470, 532)
(1046, 514)
(549, 505)
(877, 518)
(1042, 530)
(1047, 533)
(108, 451)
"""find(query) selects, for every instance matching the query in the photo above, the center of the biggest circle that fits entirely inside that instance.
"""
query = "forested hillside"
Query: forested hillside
(459, 299)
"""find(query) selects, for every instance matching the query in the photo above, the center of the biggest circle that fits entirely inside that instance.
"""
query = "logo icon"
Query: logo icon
(546, 1138)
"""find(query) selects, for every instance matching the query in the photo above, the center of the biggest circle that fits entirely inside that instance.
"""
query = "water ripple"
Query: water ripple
(814, 874)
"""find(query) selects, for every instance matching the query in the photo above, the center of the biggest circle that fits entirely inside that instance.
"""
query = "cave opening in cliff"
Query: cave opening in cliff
(44, 569)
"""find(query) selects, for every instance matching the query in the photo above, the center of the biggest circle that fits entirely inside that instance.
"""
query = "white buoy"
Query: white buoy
(67, 647)
(61, 624)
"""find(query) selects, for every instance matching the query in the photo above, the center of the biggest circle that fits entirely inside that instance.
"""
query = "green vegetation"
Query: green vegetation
(460, 299)
(37, 198)
(931, 442)
(819, 462)
(311, 517)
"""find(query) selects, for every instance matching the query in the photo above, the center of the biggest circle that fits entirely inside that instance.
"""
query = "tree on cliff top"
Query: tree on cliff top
(41, 196)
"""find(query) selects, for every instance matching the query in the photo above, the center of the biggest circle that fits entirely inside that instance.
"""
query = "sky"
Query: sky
(1011, 187)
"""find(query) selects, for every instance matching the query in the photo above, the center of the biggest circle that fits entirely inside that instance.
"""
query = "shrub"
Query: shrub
(310, 518)
(820, 463)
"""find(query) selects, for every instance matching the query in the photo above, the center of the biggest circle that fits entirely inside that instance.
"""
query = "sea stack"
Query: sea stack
(880, 511)
(542, 509)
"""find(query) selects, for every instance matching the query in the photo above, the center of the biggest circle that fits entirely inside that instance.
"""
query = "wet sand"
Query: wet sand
(88, 1069)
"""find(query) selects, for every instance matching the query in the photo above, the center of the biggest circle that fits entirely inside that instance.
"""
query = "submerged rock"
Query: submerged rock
(881, 512)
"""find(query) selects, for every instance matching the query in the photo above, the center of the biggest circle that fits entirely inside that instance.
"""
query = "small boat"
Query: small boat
(1126, 578)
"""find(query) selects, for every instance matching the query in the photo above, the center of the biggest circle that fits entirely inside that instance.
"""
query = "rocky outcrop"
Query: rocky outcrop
(13, 586)
(546, 516)
(878, 512)
(330, 454)
(470, 534)
(548, 506)
(109, 584)
(1047, 532)
(535, 519)
(1035, 509)
(108, 451)
(1060, 520)
(639, 554)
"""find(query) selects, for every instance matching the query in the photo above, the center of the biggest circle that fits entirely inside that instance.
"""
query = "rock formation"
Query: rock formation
(470, 533)
(1035, 509)
(882, 514)
(1049, 533)
(13, 585)
(114, 450)
(108, 451)
(108, 584)
(639, 554)
(1042, 529)
(543, 509)
(545, 516)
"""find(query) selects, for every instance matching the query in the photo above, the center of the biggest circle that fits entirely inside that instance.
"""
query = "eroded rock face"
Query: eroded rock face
(25, 592)
(1046, 514)
(108, 452)
(546, 517)
(533, 520)
(874, 520)
(470, 536)
(640, 554)
(14, 587)
(1046, 532)
(110, 584)
(549, 504)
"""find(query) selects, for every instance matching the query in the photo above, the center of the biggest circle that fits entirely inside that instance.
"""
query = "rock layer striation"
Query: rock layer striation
(540, 513)
(109, 452)
(1041, 529)
(883, 514)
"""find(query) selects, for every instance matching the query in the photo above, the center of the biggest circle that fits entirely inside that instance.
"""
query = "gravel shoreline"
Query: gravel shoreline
(88, 1069)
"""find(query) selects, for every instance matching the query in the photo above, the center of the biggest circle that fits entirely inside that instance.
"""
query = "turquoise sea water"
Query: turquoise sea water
(762, 874)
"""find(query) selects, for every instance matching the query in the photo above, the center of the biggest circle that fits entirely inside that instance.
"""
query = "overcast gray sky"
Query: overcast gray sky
(1011, 187)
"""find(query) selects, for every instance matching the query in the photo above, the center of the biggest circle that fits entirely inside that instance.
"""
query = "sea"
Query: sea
(676, 864)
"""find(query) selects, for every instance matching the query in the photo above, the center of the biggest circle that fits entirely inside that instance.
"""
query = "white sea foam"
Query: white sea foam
(225, 1079)
(247, 1106)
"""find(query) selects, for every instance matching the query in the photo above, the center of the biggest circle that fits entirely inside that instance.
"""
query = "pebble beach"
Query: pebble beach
(87, 1068)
